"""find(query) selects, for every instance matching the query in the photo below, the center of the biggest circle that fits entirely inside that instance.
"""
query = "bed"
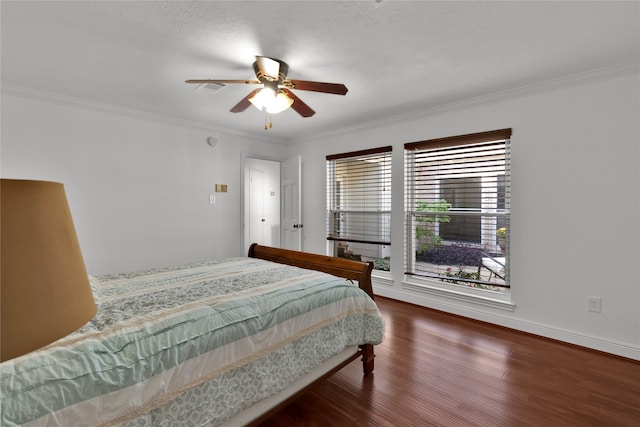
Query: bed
(220, 343)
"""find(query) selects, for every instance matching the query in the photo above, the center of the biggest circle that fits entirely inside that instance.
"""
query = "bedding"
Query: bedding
(192, 345)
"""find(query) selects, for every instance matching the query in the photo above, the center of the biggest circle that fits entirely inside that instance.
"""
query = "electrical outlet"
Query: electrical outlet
(594, 304)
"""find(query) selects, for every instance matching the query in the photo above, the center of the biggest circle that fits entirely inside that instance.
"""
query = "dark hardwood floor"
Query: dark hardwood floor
(435, 369)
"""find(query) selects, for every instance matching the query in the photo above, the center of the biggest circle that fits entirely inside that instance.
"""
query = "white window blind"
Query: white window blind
(457, 195)
(359, 205)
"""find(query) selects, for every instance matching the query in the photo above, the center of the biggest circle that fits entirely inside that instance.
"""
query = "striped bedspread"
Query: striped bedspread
(188, 346)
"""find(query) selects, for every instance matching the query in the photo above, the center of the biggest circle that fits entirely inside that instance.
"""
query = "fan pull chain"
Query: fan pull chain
(268, 123)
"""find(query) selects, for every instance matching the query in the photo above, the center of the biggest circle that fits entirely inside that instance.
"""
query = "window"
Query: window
(359, 205)
(457, 201)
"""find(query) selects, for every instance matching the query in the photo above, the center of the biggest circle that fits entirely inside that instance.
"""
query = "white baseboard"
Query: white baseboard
(584, 340)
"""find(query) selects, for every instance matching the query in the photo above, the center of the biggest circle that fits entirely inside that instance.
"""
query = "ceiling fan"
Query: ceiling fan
(276, 95)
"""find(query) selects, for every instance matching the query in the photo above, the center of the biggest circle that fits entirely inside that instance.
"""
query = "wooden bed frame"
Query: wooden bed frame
(349, 269)
(266, 408)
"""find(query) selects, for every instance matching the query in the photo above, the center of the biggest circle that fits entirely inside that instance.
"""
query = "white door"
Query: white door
(261, 202)
(292, 203)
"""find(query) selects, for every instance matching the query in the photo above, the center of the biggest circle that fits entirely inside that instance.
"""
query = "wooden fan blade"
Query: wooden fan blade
(244, 103)
(298, 106)
(334, 88)
(249, 82)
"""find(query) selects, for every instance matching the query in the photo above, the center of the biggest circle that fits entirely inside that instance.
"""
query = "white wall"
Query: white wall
(138, 187)
(575, 206)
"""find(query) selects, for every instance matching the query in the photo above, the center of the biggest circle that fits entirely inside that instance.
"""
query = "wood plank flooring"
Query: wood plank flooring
(435, 369)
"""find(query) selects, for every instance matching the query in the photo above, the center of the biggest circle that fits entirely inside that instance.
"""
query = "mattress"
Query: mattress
(189, 345)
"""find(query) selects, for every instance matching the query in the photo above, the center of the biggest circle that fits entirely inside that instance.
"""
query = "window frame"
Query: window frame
(353, 234)
(434, 283)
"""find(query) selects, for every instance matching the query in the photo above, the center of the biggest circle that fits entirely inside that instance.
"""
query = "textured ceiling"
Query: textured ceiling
(396, 57)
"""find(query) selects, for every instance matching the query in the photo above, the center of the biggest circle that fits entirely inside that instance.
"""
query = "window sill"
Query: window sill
(381, 278)
(469, 297)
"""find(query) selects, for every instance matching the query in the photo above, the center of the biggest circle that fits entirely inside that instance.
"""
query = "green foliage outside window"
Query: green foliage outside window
(426, 236)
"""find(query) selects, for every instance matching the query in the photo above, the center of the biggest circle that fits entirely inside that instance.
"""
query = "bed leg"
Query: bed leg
(367, 359)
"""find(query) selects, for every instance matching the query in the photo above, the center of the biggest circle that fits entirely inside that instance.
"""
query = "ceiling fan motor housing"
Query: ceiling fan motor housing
(265, 77)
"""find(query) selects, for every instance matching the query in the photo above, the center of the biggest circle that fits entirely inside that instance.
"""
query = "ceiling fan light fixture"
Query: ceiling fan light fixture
(280, 103)
(271, 101)
(262, 98)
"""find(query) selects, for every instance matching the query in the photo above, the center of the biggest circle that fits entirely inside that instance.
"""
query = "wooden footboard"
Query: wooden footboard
(349, 269)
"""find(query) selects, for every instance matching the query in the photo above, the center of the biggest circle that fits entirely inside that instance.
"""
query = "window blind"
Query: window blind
(457, 209)
(359, 202)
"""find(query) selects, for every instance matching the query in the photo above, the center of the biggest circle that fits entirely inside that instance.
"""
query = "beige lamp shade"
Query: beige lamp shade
(44, 288)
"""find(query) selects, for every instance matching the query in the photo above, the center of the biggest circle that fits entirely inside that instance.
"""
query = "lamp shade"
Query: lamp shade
(281, 103)
(44, 288)
(263, 98)
(272, 101)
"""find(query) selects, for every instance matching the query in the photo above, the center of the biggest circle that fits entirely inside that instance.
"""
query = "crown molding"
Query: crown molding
(57, 98)
(586, 77)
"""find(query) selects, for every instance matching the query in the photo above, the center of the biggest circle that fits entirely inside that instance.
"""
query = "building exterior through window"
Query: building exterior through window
(457, 210)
